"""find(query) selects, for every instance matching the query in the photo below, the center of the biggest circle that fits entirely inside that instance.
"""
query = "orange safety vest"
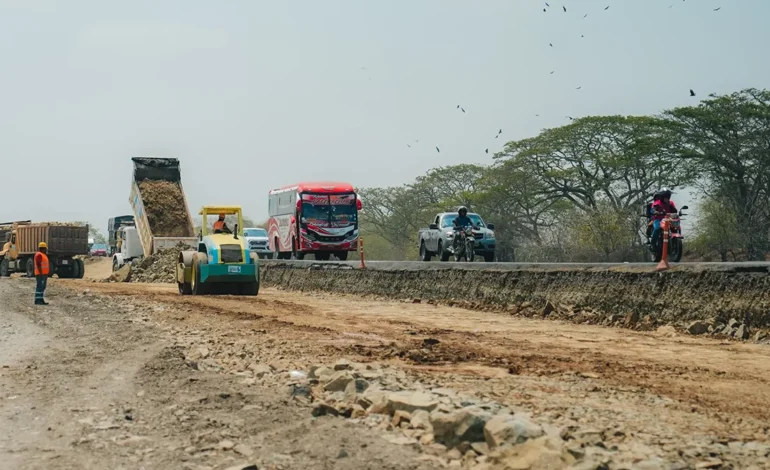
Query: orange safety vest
(219, 225)
(41, 264)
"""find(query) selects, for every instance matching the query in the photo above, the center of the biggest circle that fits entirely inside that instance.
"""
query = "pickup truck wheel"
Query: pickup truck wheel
(425, 255)
(115, 266)
(489, 257)
(4, 271)
(444, 255)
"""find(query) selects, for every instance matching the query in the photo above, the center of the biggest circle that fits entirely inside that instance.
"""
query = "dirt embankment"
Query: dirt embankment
(643, 300)
(166, 209)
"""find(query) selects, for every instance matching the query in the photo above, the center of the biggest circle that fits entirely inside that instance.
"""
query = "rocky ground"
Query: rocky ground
(134, 374)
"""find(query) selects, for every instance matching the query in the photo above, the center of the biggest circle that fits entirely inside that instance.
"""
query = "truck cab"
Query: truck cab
(130, 247)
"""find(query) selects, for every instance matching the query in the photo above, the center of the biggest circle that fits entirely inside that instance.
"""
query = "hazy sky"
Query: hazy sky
(251, 95)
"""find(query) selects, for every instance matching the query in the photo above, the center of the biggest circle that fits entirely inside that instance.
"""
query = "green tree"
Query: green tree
(716, 230)
(728, 139)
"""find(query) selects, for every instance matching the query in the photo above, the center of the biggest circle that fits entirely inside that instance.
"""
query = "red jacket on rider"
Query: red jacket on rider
(664, 207)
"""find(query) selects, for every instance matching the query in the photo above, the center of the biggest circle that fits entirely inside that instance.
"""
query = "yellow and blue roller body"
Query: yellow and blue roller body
(229, 260)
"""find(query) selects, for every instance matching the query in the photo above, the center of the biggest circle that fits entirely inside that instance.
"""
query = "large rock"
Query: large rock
(742, 332)
(411, 402)
(698, 328)
(543, 453)
(338, 382)
(510, 429)
(464, 425)
(354, 387)
(121, 275)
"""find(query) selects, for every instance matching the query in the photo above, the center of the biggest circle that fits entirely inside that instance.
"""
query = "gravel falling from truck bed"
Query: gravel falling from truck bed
(166, 210)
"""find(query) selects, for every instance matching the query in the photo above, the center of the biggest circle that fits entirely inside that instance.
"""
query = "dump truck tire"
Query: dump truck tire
(30, 268)
(81, 268)
(4, 271)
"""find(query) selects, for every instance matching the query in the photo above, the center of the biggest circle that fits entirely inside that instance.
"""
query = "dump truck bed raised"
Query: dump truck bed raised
(161, 214)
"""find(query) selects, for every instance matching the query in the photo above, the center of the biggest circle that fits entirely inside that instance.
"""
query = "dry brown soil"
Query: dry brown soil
(77, 366)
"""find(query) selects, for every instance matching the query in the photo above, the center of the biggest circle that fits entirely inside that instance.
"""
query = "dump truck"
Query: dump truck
(161, 215)
(65, 242)
(222, 262)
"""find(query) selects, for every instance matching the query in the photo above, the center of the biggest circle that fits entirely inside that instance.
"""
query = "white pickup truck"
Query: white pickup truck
(437, 239)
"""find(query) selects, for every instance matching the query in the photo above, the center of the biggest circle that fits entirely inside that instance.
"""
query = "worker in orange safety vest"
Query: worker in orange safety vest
(42, 270)
(220, 226)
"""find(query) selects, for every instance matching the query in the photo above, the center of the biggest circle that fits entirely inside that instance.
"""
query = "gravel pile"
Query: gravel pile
(166, 209)
(158, 268)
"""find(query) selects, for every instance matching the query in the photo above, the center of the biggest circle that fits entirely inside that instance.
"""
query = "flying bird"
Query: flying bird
(408, 145)
(486, 151)
(692, 93)
(462, 109)
(550, 44)
(585, 15)
(578, 87)
(570, 118)
(607, 8)
(438, 150)
(498, 135)
(543, 10)
(537, 115)
(717, 9)
(499, 132)
(546, 4)
(565, 9)
(458, 106)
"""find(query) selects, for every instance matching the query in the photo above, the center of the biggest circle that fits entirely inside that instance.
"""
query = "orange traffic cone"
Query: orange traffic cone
(361, 252)
(663, 265)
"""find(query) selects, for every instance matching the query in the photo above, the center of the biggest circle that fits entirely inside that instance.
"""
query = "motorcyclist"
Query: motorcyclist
(664, 205)
(460, 222)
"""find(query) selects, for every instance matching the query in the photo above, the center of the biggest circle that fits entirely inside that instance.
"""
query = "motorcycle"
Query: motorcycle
(675, 237)
(464, 244)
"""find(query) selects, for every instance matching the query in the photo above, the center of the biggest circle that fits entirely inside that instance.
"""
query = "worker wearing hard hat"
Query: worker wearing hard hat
(42, 269)
(220, 226)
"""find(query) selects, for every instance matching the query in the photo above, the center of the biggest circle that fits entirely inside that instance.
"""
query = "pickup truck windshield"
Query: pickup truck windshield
(447, 220)
(338, 210)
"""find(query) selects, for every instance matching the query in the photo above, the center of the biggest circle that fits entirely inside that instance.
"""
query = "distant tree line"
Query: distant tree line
(576, 193)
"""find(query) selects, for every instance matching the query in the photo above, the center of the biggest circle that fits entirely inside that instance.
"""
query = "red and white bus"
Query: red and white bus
(313, 218)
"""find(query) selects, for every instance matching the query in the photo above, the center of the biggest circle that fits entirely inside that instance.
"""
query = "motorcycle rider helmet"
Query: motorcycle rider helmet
(665, 193)
(462, 210)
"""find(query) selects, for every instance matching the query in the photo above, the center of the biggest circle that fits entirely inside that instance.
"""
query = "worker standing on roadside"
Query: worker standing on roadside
(42, 269)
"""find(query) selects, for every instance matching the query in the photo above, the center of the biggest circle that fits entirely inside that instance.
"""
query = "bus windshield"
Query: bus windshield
(338, 210)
